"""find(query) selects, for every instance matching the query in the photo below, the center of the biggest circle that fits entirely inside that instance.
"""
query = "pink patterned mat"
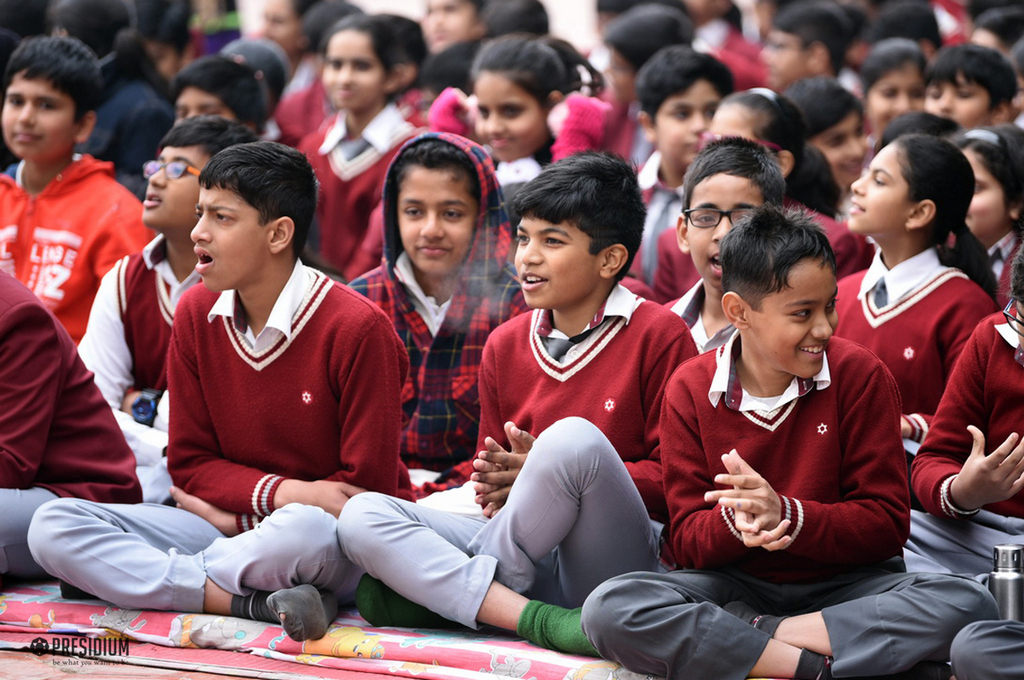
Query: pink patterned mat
(350, 644)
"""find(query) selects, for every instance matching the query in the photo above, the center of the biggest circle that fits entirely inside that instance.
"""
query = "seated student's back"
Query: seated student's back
(67, 219)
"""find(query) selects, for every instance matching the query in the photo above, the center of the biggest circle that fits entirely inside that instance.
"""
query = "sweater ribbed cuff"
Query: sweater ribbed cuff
(263, 494)
(246, 522)
(918, 427)
(793, 510)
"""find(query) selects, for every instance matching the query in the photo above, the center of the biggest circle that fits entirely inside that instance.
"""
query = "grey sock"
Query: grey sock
(813, 666)
(303, 611)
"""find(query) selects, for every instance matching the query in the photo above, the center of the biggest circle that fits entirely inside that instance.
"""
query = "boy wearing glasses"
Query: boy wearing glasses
(125, 343)
(969, 471)
(726, 180)
(66, 218)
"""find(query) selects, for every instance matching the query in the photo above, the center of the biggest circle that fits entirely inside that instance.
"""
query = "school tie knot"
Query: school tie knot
(880, 294)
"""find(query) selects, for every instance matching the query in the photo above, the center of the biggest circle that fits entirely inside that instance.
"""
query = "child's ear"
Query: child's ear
(683, 234)
(279, 234)
(647, 123)
(1015, 210)
(1002, 113)
(612, 259)
(921, 214)
(736, 309)
(818, 60)
(554, 97)
(394, 80)
(786, 161)
(406, 75)
(84, 127)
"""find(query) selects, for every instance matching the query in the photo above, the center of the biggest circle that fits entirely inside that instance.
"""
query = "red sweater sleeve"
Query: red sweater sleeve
(30, 365)
(872, 521)
(648, 475)
(701, 538)
(948, 443)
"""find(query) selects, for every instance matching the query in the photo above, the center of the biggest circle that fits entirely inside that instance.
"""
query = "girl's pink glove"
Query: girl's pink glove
(577, 124)
(451, 112)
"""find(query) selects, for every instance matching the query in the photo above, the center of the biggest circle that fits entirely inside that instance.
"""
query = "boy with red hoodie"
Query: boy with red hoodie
(66, 219)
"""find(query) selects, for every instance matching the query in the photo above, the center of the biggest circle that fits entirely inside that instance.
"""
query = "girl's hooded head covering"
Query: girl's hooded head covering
(487, 264)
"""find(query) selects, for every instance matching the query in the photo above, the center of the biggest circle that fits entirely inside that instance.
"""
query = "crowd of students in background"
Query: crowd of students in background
(407, 298)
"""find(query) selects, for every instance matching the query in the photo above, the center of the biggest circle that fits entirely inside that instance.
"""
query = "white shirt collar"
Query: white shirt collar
(714, 33)
(620, 302)
(518, 171)
(1005, 245)
(648, 175)
(904, 277)
(723, 367)
(285, 307)
(1008, 334)
(432, 313)
(379, 133)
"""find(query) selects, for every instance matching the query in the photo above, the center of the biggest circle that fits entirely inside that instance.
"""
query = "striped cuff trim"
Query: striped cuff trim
(263, 494)
(949, 508)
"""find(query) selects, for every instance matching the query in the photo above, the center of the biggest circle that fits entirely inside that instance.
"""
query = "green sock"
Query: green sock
(381, 606)
(555, 628)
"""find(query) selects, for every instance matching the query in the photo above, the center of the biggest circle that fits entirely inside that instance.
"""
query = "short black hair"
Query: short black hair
(887, 56)
(515, 16)
(912, 20)
(917, 122)
(65, 62)
(212, 133)
(673, 70)
(322, 16)
(737, 157)
(824, 103)
(762, 249)
(273, 178)
(1006, 23)
(639, 33)
(449, 68)
(975, 8)
(234, 84)
(595, 191)
(436, 154)
(94, 22)
(267, 59)
(165, 21)
(982, 65)
(817, 21)
(411, 44)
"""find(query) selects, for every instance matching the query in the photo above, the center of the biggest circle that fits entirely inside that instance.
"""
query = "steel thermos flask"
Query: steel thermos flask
(1006, 582)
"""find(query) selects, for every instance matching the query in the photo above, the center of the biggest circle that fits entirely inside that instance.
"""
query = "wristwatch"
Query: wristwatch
(144, 406)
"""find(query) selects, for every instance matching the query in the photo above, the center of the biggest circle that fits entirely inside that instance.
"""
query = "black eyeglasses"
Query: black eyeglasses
(1011, 316)
(173, 169)
(706, 218)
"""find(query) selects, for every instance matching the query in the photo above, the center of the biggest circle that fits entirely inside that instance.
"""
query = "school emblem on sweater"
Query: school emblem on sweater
(823, 428)
(908, 353)
(307, 398)
(609, 405)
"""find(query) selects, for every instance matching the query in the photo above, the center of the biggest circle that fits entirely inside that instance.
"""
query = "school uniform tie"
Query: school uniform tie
(880, 294)
(350, 148)
(557, 347)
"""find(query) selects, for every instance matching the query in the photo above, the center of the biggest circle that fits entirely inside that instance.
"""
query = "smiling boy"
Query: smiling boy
(972, 85)
(786, 484)
(125, 344)
(590, 349)
(66, 219)
(729, 178)
(282, 382)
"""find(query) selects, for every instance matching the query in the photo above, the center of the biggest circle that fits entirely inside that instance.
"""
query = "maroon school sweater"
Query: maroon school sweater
(56, 431)
(323, 405)
(617, 384)
(144, 300)
(834, 455)
(919, 337)
(986, 390)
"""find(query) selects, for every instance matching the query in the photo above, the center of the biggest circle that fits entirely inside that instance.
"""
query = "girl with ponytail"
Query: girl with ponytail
(929, 284)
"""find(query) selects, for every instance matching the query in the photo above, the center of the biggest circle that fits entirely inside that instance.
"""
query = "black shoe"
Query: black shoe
(70, 592)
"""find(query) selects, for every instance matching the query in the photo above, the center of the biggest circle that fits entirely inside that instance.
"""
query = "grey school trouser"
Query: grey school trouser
(989, 650)
(879, 620)
(16, 509)
(151, 556)
(573, 519)
(958, 546)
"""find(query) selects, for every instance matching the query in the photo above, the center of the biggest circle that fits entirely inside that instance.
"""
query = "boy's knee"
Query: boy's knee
(49, 522)
(296, 525)
(601, 616)
(576, 435)
(363, 512)
(971, 652)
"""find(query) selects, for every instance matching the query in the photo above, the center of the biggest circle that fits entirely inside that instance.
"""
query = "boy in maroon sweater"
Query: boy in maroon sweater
(786, 489)
(285, 391)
